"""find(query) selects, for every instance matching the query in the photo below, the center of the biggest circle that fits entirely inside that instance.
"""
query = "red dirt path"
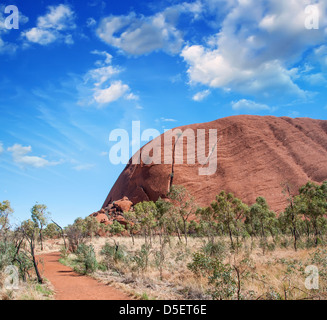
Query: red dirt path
(69, 285)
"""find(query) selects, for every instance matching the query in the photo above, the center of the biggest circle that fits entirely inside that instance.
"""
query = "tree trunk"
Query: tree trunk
(39, 278)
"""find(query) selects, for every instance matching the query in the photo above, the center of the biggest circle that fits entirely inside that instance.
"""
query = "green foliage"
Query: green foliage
(222, 284)
(52, 231)
(141, 258)
(116, 228)
(91, 225)
(113, 254)
(146, 212)
(215, 249)
(86, 258)
(260, 219)
(183, 208)
(230, 211)
(5, 212)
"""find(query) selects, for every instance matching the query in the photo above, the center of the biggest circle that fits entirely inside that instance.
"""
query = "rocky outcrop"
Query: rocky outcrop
(255, 156)
(113, 212)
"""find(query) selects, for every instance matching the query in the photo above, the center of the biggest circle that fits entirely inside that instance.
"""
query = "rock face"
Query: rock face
(255, 156)
(113, 212)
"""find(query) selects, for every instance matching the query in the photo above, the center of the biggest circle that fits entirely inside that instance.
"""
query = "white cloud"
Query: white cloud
(91, 22)
(106, 55)
(257, 45)
(132, 96)
(116, 90)
(105, 89)
(143, 35)
(40, 36)
(19, 154)
(168, 120)
(201, 95)
(244, 104)
(56, 25)
(1, 148)
(101, 75)
(83, 167)
(58, 18)
(316, 79)
(138, 34)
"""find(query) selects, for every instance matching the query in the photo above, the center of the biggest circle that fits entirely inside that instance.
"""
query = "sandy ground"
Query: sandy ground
(69, 285)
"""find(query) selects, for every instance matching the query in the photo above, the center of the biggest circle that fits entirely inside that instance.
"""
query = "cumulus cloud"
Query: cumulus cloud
(115, 91)
(139, 34)
(258, 44)
(201, 95)
(19, 154)
(249, 105)
(53, 26)
(105, 88)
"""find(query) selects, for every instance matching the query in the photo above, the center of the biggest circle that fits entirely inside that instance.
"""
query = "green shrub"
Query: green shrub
(222, 285)
(141, 258)
(86, 258)
(113, 254)
(217, 249)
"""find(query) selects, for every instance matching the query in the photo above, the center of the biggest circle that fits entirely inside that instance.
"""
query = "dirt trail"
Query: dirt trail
(69, 285)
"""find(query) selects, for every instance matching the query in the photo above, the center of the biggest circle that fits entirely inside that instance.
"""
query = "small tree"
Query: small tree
(184, 205)
(313, 204)
(145, 212)
(230, 211)
(28, 229)
(132, 223)
(5, 212)
(75, 234)
(92, 226)
(40, 217)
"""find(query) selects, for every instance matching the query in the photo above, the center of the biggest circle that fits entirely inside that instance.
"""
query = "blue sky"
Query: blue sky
(76, 70)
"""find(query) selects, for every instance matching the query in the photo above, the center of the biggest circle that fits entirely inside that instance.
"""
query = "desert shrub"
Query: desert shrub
(217, 249)
(285, 243)
(64, 252)
(86, 259)
(319, 259)
(222, 284)
(271, 246)
(112, 254)
(6, 254)
(141, 258)
(271, 294)
(116, 228)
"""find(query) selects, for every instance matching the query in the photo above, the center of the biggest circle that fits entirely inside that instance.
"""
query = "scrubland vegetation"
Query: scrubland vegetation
(228, 250)
(171, 249)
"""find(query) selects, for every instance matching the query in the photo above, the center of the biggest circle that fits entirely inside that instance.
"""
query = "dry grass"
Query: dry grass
(30, 289)
(270, 273)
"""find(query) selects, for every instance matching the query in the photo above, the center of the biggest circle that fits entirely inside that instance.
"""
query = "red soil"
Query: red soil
(69, 285)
